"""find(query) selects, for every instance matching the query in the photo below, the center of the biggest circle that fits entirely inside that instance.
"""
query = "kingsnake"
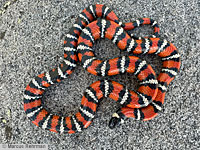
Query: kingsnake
(150, 95)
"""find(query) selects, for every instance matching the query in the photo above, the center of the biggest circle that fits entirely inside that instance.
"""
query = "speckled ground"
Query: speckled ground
(31, 36)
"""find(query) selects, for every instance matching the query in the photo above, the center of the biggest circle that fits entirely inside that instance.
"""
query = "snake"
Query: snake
(137, 107)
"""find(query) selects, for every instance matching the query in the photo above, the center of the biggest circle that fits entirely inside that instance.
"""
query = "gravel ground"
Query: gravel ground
(31, 36)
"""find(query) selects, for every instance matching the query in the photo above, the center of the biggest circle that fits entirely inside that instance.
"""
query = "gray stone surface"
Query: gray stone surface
(31, 42)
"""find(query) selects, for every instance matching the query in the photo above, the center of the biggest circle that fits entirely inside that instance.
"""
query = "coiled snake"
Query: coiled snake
(98, 21)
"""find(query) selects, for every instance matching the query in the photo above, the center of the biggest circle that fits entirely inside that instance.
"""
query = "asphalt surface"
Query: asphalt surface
(31, 36)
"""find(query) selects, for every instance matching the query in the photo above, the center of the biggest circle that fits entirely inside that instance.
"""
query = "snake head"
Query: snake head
(116, 120)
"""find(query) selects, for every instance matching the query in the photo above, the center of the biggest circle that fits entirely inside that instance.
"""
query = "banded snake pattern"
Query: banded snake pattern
(95, 22)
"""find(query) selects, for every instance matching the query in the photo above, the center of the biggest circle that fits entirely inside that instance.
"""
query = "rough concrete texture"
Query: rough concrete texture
(31, 36)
